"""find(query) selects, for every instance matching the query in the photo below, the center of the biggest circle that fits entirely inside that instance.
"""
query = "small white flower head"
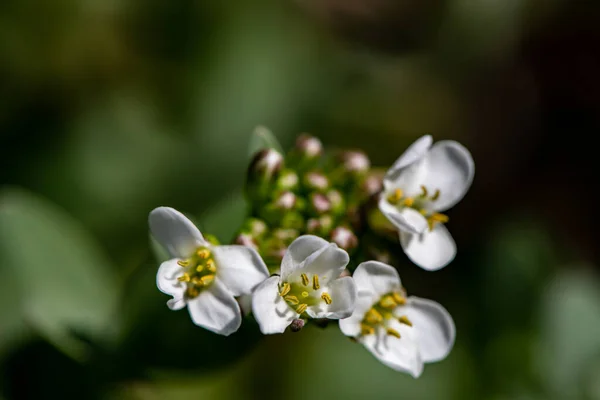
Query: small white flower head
(403, 333)
(309, 286)
(202, 276)
(423, 183)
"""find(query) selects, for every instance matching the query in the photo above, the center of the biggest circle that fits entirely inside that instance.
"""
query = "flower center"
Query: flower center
(199, 273)
(381, 314)
(300, 295)
(421, 203)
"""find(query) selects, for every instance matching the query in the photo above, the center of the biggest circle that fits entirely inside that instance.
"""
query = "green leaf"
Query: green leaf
(262, 138)
(63, 281)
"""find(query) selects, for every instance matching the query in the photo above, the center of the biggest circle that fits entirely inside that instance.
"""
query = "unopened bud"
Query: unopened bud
(321, 226)
(245, 239)
(319, 204)
(308, 146)
(265, 164)
(371, 185)
(254, 227)
(336, 199)
(285, 201)
(276, 210)
(297, 325)
(354, 161)
(287, 181)
(344, 238)
(315, 181)
(286, 235)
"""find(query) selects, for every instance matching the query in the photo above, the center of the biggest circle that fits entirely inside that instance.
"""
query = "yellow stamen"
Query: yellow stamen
(304, 294)
(316, 282)
(436, 195)
(409, 201)
(435, 218)
(192, 291)
(393, 332)
(210, 265)
(404, 320)
(207, 279)
(301, 308)
(183, 263)
(293, 300)
(326, 298)
(423, 211)
(203, 254)
(200, 268)
(373, 316)
(184, 278)
(398, 298)
(366, 329)
(197, 281)
(387, 302)
(285, 289)
(396, 196)
(424, 192)
(305, 280)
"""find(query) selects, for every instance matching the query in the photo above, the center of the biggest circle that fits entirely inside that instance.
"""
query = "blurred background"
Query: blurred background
(111, 108)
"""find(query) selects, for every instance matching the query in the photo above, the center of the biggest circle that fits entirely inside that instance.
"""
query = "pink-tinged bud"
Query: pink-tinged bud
(254, 227)
(286, 201)
(265, 165)
(315, 181)
(338, 204)
(372, 185)
(245, 239)
(354, 161)
(308, 146)
(288, 180)
(320, 226)
(297, 325)
(319, 204)
(344, 238)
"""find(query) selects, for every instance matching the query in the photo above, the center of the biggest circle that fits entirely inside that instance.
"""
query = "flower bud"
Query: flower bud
(372, 185)
(247, 240)
(297, 325)
(262, 173)
(254, 227)
(276, 210)
(287, 180)
(344, 238)
(308, 146)
(292, 220)
(321, 226)
(336, 199)
(286, 235)
(315, 181)
(354, 161)
(318, 204)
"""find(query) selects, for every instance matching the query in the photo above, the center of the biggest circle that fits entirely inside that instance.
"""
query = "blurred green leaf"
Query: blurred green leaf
(262, 138)
(62, 278)
(570, 331)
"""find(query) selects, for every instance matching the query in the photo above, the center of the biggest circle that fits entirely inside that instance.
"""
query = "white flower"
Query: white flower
(424, 182)
(202, 276)
(403, 333)
(309, 285)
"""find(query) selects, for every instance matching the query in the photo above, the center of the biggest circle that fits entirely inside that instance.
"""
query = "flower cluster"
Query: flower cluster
(303, 225)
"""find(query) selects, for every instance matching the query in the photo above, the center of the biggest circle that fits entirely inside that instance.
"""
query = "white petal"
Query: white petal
(374, 279)
(177, 234)
(435, 330)
(298, 251)
(414, 153)
(166, 281)
(351, 326)
(240, 268)
(271, 312)
(343, 298)
(450, 168)
(406, 219)
(245, 302)
(328, 263)
(215, 309)
(400, 354)
(430, 250)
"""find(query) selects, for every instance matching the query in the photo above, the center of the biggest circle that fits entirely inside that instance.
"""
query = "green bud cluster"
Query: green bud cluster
(307, 191)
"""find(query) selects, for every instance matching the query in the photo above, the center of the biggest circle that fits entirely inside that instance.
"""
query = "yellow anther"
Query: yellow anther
(293, 300)
(409, 201)
(424, 191)
(316, 285)
(192, 291)
(184, 278)
(399, 299)
(210, 265)
(200, 268)
(203, 254)
(366, 329)
(183, 263)
(393, 332)
(396, 196)
(285, 289)
(373, 316)
(423, 211)
(305, 280)
(301, 308)
(197, 281)
(436, 195)
(326, 298)
(304, 294)
(404, 320)
(387, 302)
(207, 279)
(435, 218)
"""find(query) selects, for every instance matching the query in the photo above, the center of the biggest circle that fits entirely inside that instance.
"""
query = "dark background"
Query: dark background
(109, 109)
